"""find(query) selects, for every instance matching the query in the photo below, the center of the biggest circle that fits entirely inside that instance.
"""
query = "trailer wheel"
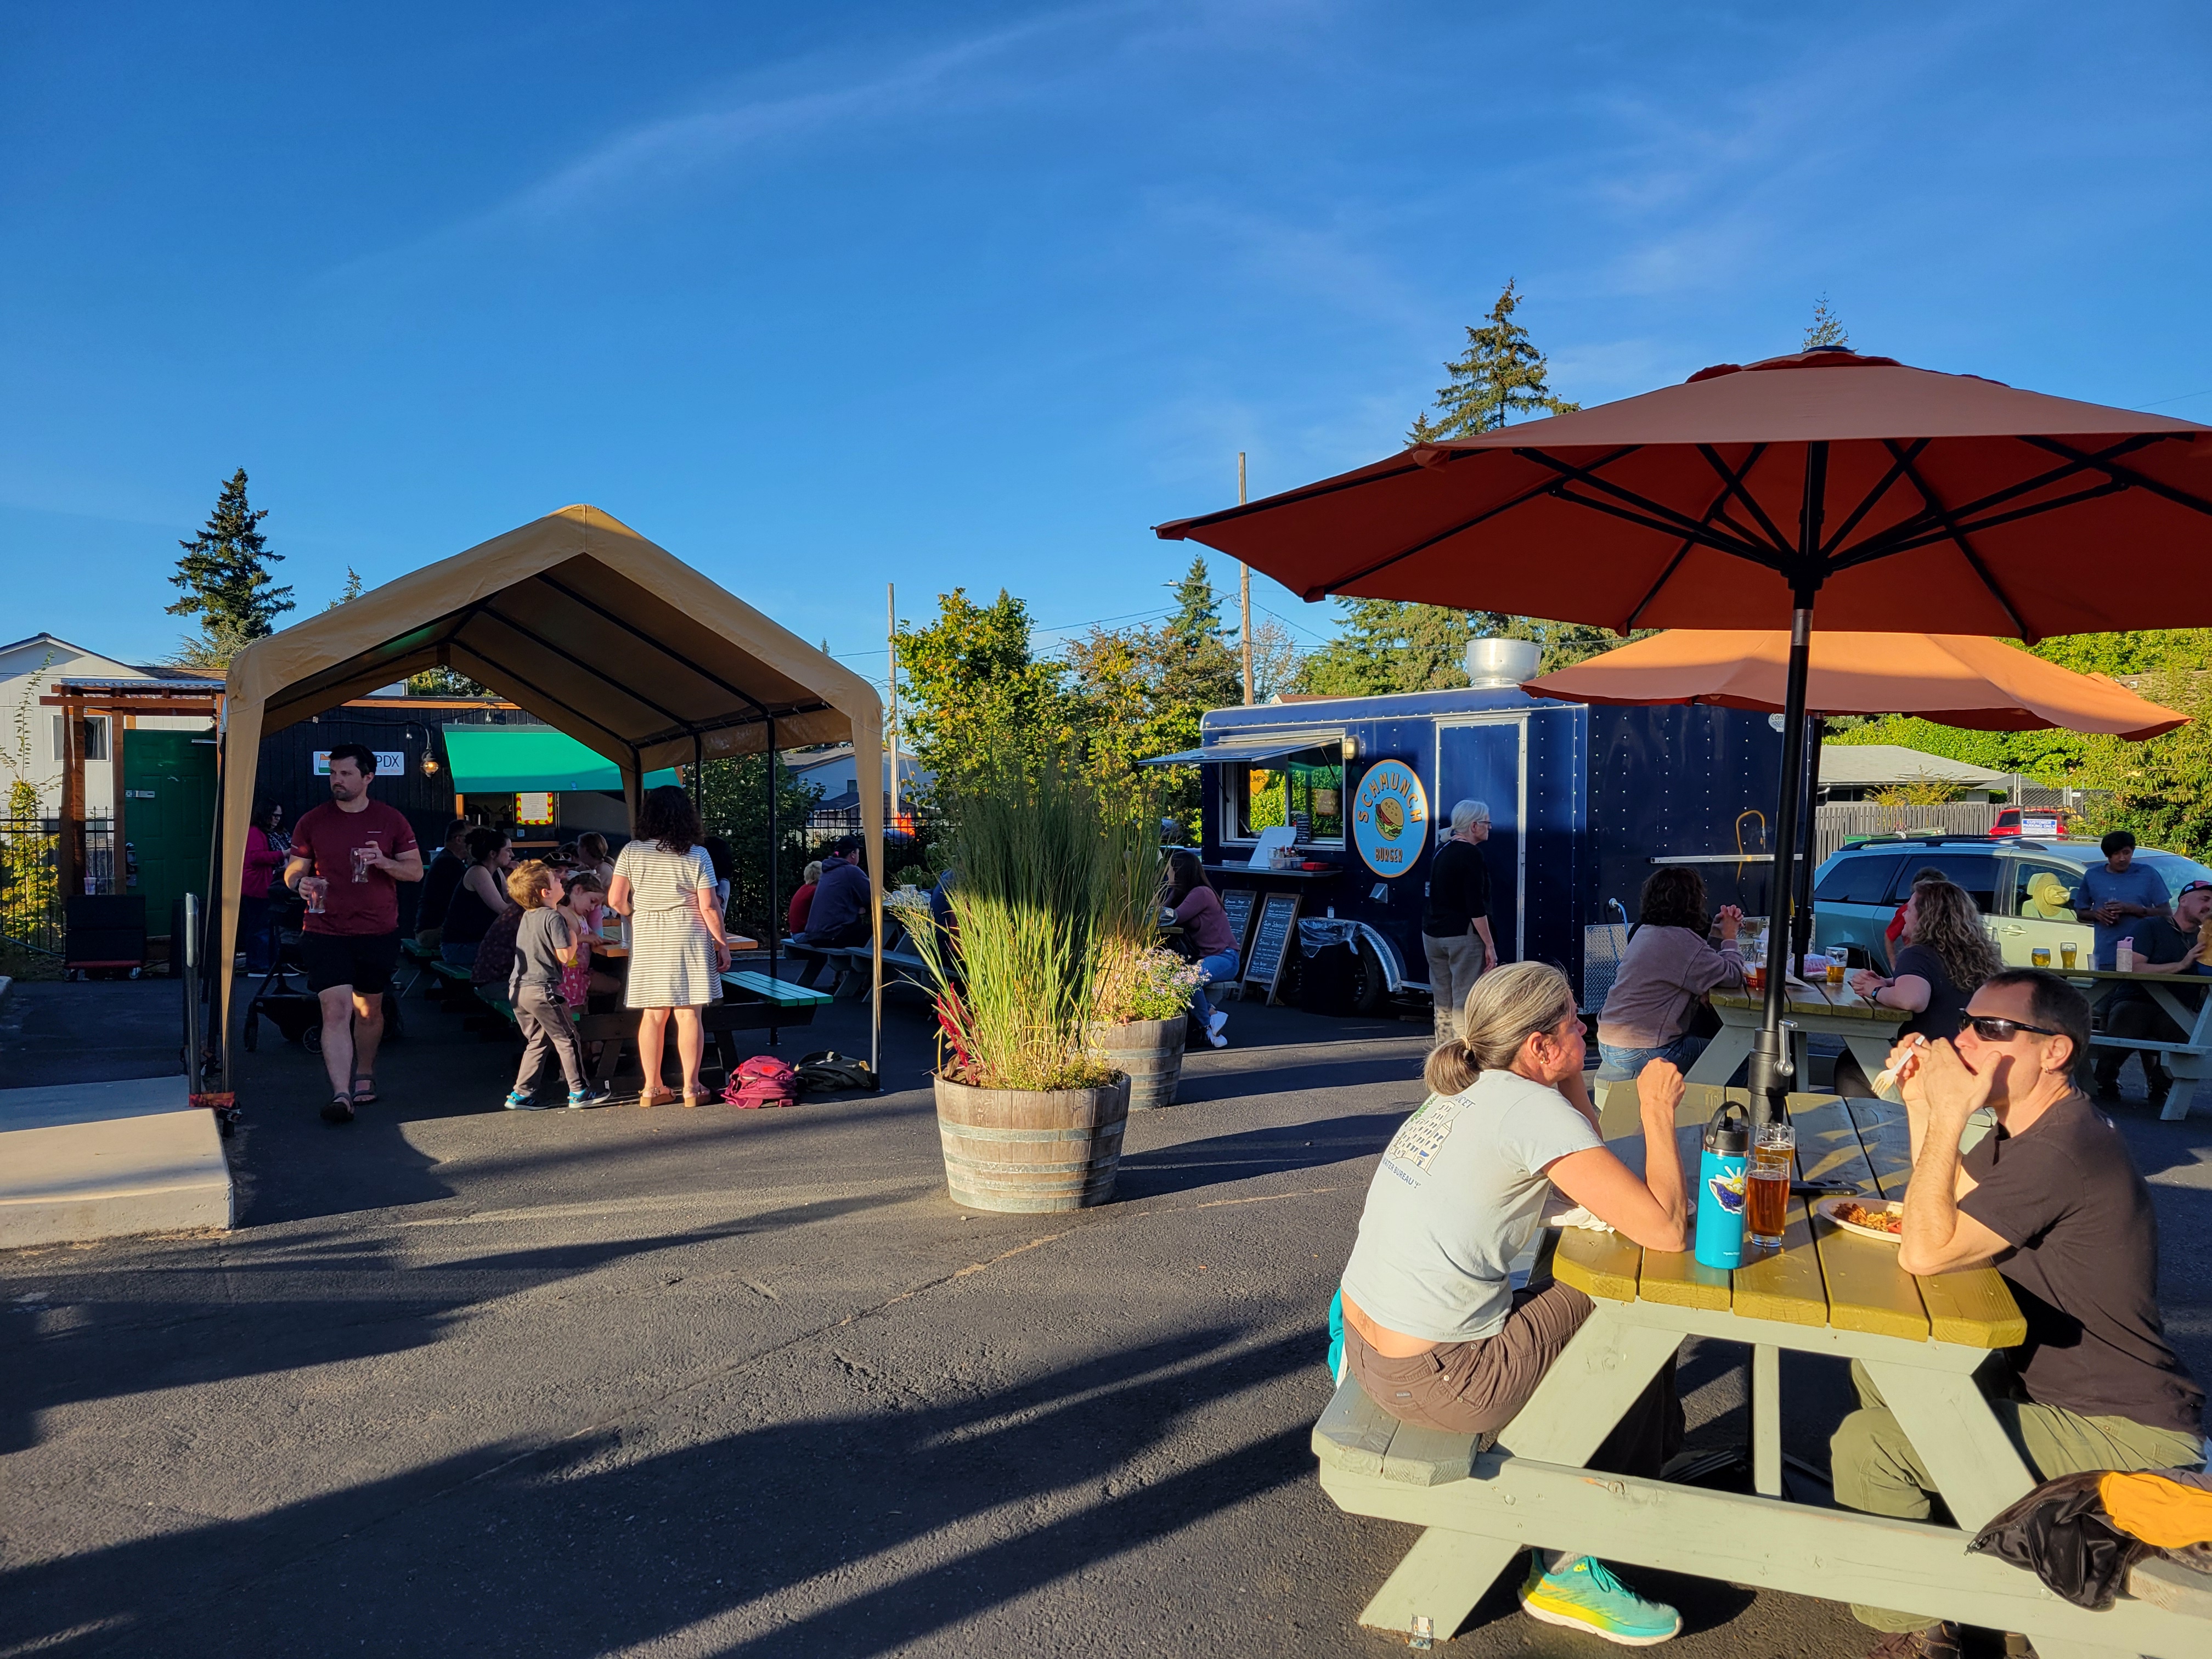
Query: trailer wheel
(1370, 986)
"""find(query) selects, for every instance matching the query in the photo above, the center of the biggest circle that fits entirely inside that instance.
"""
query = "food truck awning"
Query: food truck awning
(496, 759)
(1248, 750)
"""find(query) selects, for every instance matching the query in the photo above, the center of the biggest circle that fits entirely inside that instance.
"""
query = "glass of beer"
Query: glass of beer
(2040, 956)
(2066, 954)
(362, 857)
(1839, 957)
(1766, 1191)
(1755, 977)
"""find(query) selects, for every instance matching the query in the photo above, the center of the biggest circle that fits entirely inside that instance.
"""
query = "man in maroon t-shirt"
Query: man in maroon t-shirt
(349, 857)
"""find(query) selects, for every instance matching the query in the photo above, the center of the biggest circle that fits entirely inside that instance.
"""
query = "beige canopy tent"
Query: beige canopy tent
(583, 623)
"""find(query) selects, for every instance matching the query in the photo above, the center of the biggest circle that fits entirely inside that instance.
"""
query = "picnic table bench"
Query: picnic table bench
(903, 965)
(1826, 1292)
(2186, 1058)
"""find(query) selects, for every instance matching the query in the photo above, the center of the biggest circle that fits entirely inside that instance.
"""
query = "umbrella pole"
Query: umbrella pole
(1770, 1075)
(1800, 926)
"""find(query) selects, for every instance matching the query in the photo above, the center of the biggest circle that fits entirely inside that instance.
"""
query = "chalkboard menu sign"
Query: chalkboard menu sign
(1236, 905)
(1273, 943)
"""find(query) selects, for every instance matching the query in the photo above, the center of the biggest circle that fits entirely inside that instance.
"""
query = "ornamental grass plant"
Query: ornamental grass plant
(1053, 880)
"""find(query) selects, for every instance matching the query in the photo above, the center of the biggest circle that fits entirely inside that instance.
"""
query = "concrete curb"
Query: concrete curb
(108, 1160)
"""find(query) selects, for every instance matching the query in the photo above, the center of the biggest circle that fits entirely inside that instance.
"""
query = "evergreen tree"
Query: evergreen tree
(350, 592)
(1198, 669)
(224, 572)
(1391, 644)
(1824, 330)
(1501, 374)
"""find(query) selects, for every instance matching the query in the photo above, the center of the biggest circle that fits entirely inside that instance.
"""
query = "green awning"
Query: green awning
(499, 760)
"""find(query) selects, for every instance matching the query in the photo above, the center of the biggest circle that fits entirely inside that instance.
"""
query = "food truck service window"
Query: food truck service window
(1267, 794)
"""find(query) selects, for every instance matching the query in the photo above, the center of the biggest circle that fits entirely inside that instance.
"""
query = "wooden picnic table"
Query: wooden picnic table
(2186, 1058)
(1826, 1291)
(1869, 1031)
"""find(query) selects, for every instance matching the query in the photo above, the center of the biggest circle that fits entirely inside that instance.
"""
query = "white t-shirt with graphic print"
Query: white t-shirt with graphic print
(1457, 1196)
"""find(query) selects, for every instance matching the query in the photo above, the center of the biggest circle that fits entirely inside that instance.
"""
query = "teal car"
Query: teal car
(2023, 888)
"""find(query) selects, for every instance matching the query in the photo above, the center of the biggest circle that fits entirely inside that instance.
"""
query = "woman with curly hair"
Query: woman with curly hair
(1946, 955)
(665, 884)
(1666, 970)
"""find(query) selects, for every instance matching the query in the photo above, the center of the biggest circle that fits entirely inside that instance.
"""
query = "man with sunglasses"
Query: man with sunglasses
(2053, 1200)
(2161, 947)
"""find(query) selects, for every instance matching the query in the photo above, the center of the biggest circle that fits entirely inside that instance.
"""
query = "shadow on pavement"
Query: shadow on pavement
(1256, 1152)
(565, 1550)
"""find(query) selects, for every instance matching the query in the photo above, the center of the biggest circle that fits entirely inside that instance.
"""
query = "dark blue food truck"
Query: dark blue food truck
(1584, 802)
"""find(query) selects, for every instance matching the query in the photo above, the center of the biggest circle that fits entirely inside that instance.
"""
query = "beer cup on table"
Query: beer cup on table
(1766, 1191)
(312, 889)
(1839, 959)
(2066, 955)
(2040, 956)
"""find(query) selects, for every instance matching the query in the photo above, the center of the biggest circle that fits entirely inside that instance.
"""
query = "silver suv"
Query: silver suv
(2024, 889)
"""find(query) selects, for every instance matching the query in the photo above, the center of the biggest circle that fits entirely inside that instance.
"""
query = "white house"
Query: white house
(836, 774)
(31, 738)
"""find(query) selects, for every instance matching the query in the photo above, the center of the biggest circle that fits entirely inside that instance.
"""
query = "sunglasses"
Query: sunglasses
(2004, 1030)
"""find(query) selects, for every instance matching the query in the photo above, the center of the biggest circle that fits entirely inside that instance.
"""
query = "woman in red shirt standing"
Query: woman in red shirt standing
(1197, 911)
(265, 851)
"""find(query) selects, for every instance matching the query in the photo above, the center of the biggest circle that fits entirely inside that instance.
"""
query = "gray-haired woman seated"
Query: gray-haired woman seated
(1434, 1330)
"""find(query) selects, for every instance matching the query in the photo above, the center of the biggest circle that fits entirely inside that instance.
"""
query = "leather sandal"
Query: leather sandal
(653, 1096)
(692, 1100)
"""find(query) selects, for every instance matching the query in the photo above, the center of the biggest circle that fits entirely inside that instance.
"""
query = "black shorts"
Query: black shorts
(364, 961)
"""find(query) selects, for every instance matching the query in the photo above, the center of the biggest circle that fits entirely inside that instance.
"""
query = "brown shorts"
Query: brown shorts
(1479, 1387)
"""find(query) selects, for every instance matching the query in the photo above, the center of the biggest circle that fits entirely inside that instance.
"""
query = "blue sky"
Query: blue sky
(821, 297)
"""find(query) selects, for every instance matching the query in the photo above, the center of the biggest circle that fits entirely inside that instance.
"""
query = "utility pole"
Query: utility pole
(890, 606)
(1244, 590)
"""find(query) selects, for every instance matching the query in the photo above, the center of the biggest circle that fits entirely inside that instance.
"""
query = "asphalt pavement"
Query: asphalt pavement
(671, 1383)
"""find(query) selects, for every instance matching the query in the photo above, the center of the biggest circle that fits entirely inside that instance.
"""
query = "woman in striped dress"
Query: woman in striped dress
(665, 884)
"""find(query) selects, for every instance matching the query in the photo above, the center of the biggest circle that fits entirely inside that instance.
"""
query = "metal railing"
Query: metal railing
(30, 884)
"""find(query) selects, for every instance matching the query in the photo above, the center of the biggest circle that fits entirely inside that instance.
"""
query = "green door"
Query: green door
(168, 815)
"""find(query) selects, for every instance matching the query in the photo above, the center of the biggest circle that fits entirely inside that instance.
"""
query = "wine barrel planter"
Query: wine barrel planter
(1019, 1149)
(1150, 1051)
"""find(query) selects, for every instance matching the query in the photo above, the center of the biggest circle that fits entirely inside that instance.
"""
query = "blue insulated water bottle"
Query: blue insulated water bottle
(1721, 1186)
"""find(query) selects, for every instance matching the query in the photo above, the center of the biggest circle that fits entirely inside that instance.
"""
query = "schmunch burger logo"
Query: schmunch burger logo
(1390, 817)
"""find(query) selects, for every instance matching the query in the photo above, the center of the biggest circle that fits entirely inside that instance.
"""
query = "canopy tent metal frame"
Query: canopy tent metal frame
(657, 666)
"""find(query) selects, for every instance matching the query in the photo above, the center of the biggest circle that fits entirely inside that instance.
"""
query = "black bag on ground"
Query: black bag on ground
(827, 1071)
(1328, 967)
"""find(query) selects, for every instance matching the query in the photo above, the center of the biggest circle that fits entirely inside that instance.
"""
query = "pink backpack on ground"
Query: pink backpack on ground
(761, 1081)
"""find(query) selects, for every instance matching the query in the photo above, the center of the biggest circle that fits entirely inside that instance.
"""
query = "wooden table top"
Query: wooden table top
(1835, 1000)
(1822, 1275)
(603, 948)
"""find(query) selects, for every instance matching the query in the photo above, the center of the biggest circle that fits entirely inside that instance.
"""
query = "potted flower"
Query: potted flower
(1030, 1118)
(1142, 1006)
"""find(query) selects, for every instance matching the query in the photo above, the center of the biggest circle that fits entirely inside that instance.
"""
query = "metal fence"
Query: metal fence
(1837, 823)
(30, 883)
(909, 839)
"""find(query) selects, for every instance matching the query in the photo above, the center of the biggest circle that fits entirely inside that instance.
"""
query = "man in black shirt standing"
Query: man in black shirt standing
(2161, 947)
(2053, 1201)
(1455, 923)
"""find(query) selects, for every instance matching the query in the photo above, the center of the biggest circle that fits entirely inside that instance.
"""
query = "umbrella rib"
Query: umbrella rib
(1958, 539)
(1688, 529)
(1179, 530)
(1682, 553)
(1914, 532)
(1360, 576)
(1929, 537)
(1898, 464)
(2127, 475)
(1734, 482)
(1652, 515)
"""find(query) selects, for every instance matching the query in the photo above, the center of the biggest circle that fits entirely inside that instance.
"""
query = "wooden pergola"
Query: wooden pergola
(123, 700)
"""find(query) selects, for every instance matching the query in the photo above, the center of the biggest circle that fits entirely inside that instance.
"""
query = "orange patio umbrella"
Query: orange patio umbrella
(1954, 679)
(1748, 495)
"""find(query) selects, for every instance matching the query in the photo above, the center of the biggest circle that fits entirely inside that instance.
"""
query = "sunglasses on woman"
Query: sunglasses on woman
(2004, 1030)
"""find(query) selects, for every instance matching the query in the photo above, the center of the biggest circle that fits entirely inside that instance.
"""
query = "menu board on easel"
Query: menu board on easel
(1236, 905)
(1273, 943)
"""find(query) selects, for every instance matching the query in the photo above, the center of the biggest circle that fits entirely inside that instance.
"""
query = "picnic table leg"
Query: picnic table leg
(1727, 1051)
(1589, 1389)
(1766, 1421)
(1947, 1420)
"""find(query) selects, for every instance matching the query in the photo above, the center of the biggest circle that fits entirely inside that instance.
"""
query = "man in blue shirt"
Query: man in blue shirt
(2112, 894)
(2161, 947)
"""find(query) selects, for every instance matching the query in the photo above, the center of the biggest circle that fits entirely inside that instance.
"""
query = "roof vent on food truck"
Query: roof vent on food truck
(1501, 662)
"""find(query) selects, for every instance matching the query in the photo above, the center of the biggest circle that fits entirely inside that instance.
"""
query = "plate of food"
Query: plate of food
(1869, 1217)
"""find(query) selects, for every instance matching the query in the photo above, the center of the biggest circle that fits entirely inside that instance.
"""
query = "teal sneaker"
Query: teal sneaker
(1584, 1596)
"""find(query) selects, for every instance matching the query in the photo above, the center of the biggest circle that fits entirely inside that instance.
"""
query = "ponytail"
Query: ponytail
(1506, 1006)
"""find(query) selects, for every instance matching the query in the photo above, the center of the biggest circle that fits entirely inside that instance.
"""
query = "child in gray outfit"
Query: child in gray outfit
(544, 943)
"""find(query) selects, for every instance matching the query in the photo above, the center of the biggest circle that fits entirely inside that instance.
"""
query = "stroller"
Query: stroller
(294, 1010)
